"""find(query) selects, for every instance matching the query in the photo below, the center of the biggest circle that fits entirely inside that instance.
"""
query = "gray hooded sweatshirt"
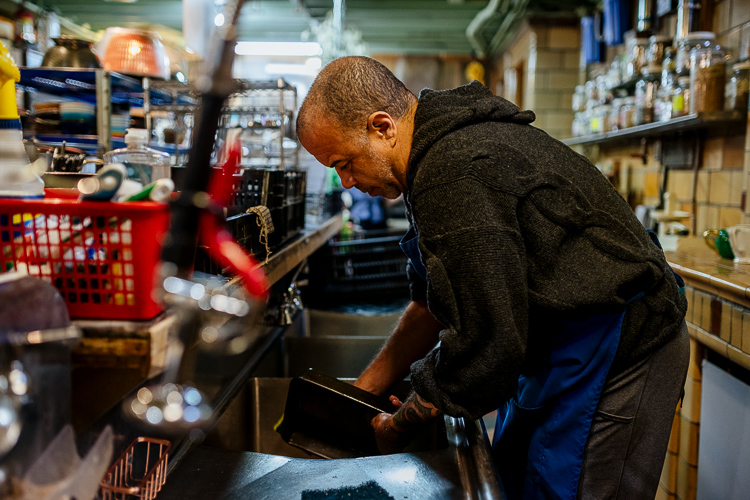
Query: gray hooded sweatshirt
(519, 232)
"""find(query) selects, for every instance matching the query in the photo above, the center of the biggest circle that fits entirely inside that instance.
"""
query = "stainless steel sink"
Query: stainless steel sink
(245, 458)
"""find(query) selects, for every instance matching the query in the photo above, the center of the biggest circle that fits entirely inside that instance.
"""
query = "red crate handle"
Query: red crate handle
(213, 232)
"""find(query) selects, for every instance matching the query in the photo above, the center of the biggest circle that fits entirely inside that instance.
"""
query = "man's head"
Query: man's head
(357, 118)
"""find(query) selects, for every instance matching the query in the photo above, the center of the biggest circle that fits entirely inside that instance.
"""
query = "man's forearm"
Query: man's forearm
(415, 335)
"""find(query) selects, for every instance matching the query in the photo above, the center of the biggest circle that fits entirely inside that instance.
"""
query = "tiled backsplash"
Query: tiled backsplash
(721, 326)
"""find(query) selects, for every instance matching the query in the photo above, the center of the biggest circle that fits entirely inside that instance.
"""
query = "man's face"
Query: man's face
(365, 162)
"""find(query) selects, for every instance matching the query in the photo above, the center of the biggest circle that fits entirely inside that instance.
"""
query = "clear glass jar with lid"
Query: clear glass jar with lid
(657, 46)
(681, 97)
(708, 76)
(739, 87)
(614, 115)
(684, 46)
(663, 105)
(636, 55)
(627, 113)
(646, 89)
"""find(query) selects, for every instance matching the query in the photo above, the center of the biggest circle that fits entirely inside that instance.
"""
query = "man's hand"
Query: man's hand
(389, 440)
(394, 431)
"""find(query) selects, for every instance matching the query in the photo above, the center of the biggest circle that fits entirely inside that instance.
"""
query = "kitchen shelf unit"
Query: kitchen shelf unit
(713, 123)
(102, 88)
(275, 101)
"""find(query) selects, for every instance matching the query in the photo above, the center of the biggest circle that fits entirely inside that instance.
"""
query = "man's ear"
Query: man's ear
(382, 124)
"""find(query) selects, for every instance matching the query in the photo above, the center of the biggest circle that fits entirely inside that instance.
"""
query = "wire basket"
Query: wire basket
(139, 473)
(101, 256)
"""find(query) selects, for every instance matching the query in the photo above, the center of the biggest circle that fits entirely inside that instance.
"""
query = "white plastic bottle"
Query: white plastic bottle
(17, 177)
(143, 163)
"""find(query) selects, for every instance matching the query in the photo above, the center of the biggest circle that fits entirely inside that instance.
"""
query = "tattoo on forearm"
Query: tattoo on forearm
(413, 413)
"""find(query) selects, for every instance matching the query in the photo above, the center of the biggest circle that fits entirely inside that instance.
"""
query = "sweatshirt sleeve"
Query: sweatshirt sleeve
(475, 258)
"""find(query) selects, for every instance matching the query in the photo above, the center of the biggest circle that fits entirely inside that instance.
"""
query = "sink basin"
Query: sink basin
(245, 458)
(248, 424)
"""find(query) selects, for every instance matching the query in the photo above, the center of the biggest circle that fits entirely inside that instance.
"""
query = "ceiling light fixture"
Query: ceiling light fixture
(219, 19)
(121, 1)
(310, 68)
(299, 49)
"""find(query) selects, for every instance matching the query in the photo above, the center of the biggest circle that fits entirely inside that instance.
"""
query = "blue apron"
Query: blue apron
(410, 246)
(541, 433)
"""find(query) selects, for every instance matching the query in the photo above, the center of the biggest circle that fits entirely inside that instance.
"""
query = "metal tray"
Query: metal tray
(331, 418)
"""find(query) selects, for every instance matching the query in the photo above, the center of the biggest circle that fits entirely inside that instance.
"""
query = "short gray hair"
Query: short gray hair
(350, 89)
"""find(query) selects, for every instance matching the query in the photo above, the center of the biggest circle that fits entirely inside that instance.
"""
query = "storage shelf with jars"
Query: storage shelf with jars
(674, 89)
(712, 122)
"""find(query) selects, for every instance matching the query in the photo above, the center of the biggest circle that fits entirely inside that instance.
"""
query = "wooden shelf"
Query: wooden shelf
(711, 122)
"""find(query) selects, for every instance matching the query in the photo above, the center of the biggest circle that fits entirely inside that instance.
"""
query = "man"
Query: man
(545, 296)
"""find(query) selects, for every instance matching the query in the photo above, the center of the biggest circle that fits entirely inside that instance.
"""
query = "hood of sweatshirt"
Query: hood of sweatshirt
(441, 112)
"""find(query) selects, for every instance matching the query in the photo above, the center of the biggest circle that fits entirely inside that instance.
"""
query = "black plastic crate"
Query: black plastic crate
(368, 265)
(246, 231)
(257, 186)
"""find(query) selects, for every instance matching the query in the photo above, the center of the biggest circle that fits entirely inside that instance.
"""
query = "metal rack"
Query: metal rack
(102, 88)
(269, 100)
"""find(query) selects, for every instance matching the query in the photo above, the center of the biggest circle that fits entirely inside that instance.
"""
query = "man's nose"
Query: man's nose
(347, 180)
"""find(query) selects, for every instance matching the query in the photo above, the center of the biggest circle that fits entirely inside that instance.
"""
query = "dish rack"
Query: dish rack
(101, 256)
(361, 267)
(139, 473)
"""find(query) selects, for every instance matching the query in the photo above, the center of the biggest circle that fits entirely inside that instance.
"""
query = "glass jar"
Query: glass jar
(605, 115)
(614, 115)
(656, 49)
(708, 68)
(636, 58)
(579, 99)
(681, 97)
(596, 123)
(668, 74)
(589, 92)
(684, 46)
(646, 89)
(739, 87)
(577, 128)
(627, 112)
(663, 106)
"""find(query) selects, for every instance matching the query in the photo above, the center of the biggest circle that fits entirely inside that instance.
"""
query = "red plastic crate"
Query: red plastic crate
(101, 256)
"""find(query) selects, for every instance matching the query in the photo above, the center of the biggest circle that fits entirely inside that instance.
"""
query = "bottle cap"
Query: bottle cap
(136, 136)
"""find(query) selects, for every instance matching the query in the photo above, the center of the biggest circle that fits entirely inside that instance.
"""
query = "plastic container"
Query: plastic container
(708, 69)
(17, 179)
(143, 163)
(101, 256)
(739, 87)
